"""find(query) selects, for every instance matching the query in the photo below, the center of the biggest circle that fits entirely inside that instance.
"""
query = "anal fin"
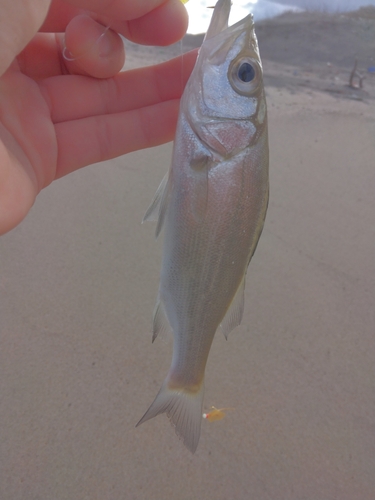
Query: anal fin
(160, 322)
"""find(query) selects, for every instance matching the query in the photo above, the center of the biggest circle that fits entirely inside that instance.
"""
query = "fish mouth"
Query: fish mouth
(220, 17)
(220, 38)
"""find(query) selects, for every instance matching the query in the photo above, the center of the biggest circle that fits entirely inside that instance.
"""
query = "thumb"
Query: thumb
(92, 49)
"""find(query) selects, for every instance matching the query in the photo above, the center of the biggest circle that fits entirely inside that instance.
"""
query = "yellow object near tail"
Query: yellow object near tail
(215, 414)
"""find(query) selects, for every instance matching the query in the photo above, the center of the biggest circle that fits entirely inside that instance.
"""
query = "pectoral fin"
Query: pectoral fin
(157, 210)
(233, 316)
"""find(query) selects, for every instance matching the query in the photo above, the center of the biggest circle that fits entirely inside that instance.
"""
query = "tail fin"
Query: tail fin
(183, 408)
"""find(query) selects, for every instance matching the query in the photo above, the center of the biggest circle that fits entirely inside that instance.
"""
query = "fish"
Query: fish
(212, 205)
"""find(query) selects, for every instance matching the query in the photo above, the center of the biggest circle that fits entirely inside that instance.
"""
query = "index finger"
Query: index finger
(74, 97)
(151, 22)
(118, 9)
(63, 11)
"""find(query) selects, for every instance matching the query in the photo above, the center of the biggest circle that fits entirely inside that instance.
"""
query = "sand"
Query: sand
(78, 281)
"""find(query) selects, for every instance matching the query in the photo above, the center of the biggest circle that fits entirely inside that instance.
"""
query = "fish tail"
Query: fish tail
(183, 408)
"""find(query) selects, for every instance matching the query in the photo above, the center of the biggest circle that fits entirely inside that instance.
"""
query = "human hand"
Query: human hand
(59, 114)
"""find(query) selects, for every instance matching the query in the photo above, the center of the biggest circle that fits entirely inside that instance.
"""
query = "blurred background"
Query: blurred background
(200, 16)
(78, 284)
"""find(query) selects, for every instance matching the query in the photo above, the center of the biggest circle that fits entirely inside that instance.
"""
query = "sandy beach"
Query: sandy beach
(78, 283)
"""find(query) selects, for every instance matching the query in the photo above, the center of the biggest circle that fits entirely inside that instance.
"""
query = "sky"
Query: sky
(200, 16)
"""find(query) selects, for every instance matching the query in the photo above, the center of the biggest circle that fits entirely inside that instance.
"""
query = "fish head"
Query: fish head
(226, 107)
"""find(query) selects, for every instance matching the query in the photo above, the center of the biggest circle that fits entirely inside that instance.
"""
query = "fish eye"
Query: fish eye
(246, 72)
(244, 75)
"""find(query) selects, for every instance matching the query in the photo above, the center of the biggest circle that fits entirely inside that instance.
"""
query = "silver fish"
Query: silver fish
(213, 203)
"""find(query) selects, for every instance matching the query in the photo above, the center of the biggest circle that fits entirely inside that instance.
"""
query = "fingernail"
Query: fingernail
(105, 44)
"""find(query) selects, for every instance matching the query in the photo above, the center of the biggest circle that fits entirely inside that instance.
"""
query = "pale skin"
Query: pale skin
(58, 114)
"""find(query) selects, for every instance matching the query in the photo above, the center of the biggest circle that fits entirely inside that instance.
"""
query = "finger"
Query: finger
(75, 97)
(42, 57)
(92, 49)
(118, 9)
(152, 22)
(90, 140)
(61, 12)
(17, 191)
(163, 26)
(59, 15)
(86, 44)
